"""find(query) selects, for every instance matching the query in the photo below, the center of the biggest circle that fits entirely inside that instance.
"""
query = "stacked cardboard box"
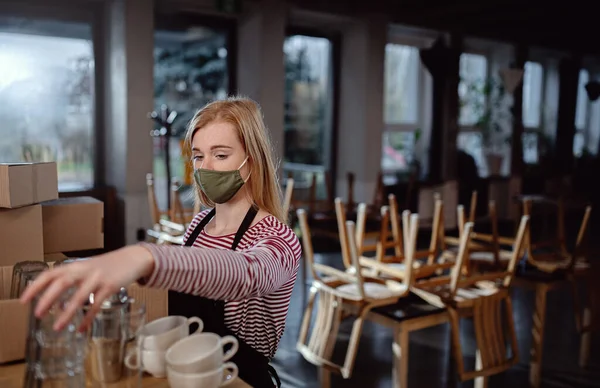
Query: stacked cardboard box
(35, 225)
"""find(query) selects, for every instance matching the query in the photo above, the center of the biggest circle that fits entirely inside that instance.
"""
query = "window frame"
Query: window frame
(487, 55)
(92, 14)
(335, 37)
(542, 94)
(424, 91)
(535, 130)
(419, 43)
(586, 129)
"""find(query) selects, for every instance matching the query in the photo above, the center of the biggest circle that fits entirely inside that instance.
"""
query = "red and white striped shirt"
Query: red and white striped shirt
(255, 280)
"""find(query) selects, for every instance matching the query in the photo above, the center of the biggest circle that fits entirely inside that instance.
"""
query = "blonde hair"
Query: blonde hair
(246, 117)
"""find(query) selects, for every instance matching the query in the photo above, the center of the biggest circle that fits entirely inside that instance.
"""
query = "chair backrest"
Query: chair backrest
(395, 222)
(340, 213)
(152, 202)
(287, 196)
(307, 247)
(517, 251)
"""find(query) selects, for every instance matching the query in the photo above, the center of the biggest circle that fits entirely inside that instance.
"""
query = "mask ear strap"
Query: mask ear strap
(242, 165)
(244, 162)
(248, 177)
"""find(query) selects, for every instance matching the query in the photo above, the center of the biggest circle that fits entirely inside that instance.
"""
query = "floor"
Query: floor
(429, 350)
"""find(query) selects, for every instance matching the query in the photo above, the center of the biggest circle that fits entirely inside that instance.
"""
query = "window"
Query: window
(191, 68)
(473, 75)
(533, 80)
(530, 147)
(581, 114)
(401, 82)
(471, 142)
(47, 97)
(404, 88)
(398, 150)
(533, 84)
(308, 120)
(582, 100)
(308, 94)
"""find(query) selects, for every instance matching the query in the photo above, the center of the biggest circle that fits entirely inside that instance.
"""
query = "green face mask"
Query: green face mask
(220, 186)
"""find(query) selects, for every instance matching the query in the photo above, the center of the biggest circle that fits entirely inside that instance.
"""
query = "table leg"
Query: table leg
(539, 320)
(400, 355)
(586, 336)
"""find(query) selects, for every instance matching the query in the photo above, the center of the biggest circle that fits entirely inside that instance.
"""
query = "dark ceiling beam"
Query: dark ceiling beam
(531, 23)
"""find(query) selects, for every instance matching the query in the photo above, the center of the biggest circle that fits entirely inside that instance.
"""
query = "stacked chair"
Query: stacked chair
(407, 290)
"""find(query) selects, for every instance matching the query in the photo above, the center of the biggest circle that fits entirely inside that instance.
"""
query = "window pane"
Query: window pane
(532, 94)
(401, 79)
(47, 97)
(471, 143)
(190, 70)
(308, 96)
(582, 101)
(473, 75)
(578, 144)
(398, 150)
(530, 147)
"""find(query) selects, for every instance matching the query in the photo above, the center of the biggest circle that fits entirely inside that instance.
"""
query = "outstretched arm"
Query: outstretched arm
(227, 275)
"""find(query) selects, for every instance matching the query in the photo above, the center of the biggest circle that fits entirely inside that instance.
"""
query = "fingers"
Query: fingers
(99, 297)
(60, 283)
(77, 301)
(39, 284)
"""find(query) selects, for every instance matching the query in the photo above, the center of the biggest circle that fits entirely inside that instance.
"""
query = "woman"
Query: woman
(239, 265)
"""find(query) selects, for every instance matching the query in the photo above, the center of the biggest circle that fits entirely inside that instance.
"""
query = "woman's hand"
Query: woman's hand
(102, 275)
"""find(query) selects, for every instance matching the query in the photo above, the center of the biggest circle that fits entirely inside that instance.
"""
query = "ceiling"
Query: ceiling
(547, 24)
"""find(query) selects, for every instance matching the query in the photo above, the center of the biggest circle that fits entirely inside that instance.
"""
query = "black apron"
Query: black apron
(253, 366)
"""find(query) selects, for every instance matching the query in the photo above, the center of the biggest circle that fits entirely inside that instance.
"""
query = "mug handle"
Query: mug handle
(229, 339)
(198, 321)
(232, 375)
(133, 353)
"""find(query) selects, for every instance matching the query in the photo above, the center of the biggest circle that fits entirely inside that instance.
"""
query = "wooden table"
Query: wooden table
(11, 376)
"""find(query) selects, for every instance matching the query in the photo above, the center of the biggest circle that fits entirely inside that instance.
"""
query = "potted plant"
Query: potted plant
(488, 103)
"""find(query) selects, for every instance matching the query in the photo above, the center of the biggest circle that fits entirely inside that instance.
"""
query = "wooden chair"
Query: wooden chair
(287, 196)
(556, 256)
(177, 213)
(338, 293)
(486, 299)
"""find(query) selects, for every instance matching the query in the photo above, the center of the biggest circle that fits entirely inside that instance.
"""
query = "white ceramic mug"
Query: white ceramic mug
(200, 353)
(212, 379)
(153, 361)
(160, 334)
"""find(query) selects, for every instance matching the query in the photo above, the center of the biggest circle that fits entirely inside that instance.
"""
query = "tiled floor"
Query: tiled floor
(429, 353)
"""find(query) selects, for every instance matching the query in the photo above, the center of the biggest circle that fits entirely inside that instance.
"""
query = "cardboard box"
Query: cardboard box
(14, 321)
(73, 224)
(155, 300)
(24, 184)
(14, 317)
(21, 236)
(53, 257)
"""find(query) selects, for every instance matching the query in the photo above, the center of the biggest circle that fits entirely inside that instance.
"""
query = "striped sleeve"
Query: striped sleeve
(227, 275)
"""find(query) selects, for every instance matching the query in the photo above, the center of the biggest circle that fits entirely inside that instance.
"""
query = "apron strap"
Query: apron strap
(250, 361)
(199, 228)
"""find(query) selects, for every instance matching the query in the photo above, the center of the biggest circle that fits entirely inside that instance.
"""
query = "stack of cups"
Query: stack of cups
(200, 360)
(155, 338)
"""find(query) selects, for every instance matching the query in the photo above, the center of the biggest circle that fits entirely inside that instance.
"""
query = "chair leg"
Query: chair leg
(324, 377)
(539, 320)
(480, 382)
(353, 344)
(400, 354)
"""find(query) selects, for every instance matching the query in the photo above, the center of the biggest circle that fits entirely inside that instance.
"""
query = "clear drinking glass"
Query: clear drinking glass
(113, 336)
(55, 358)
